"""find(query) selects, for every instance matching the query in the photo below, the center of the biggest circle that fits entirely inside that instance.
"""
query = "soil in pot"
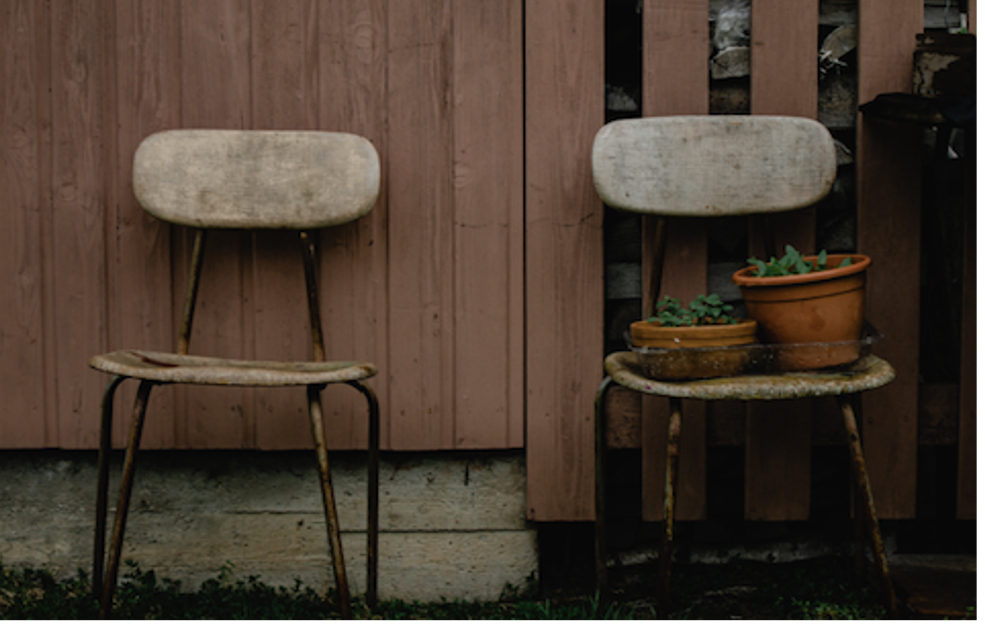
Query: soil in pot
(692, 352)
(824, 309)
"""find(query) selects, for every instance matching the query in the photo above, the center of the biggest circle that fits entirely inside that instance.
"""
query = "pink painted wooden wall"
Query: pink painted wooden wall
(429, 286)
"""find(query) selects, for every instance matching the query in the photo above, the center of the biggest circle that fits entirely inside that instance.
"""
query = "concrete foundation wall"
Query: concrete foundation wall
(452, 525)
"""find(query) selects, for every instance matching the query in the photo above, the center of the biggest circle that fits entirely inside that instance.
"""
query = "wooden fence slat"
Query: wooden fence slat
(564, 251)
(889, 171)
(23, 390)
(78, 238)
(488, 230)
(675, 82)
(140, 285)
(284, 79)
(783, 82)
(421, 197)
(215, 93)
(352, 98)
(967, 508)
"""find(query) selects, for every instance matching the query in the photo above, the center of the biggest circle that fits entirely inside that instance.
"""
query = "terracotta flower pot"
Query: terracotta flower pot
(822, 307)
(714, 354)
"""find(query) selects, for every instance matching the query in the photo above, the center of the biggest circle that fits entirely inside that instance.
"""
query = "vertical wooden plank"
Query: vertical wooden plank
(216, 93)
(565, 296)
(79, 223)
(783, 60)
(421, 197)
(675, 82)
(488, 226)
(675, 57)
(967, 508)
(972, 16)
(783, 82)
(23, 390)
(353, 272)
(889, 173)
(285, 96)
(148, 100)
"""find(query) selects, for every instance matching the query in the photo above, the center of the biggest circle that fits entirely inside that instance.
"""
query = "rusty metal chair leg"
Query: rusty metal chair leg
(102, 484)
(373, 497)
(328, 499)
(865, 491)
(123, 503)
(601, 573)
(670, 500)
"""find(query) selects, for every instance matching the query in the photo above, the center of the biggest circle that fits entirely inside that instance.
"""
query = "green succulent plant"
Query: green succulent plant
(793, 263)
(703, 310)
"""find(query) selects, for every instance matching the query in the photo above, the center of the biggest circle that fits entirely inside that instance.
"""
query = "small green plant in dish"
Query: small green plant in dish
(793, 263)
(703, 310)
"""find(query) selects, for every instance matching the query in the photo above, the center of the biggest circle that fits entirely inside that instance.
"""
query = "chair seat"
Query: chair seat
(868, 373)
(178, 368)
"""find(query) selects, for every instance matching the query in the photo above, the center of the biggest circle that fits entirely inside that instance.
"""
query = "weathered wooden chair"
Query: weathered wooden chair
(245, 180)
(708, 166)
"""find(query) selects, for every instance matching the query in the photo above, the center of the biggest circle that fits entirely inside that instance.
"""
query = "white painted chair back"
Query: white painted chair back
(713, 165)
(256, 179)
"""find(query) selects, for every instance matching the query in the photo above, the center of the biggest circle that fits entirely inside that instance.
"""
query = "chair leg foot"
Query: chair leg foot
(373, 498)
(867, 502)
(601, 573)
(328, 499)
(123, 503)
(670, 503)
(102, 485)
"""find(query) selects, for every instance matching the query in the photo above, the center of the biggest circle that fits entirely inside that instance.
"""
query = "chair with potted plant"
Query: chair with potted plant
(716, 166)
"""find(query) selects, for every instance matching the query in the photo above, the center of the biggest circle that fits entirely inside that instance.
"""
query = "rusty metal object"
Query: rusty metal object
(311, 285)
(191, 294)
(869, 373)
(373, 497)
(154, 368)
(175, 179)
(123, 504)
(659, 226)
(871, 519)
(621, 368)
(670, 504)
(102, 482)
(601, 574)
(328, 500)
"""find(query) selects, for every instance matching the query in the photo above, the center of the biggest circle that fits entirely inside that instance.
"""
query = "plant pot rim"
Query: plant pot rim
(717, 335)
(860, 262)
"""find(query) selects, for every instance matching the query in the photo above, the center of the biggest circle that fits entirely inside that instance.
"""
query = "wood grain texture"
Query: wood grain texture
(353, 258)
(421, 225)
(23, 386)
(564, 267)
(967, 508)
(675, 82)
(284, 80)
(216, 93)
(79, 68)
(783, 81)
(147, 100)
(488, 223)
(889, 172)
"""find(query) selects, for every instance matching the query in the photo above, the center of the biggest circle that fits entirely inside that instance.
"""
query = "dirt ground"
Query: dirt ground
(815, 589)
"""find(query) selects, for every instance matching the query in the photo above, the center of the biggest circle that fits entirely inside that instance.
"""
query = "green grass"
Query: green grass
(817, 589)
(30, 594)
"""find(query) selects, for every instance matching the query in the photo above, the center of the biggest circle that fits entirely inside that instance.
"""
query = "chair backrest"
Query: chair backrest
(256, 179)
(713, 165)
